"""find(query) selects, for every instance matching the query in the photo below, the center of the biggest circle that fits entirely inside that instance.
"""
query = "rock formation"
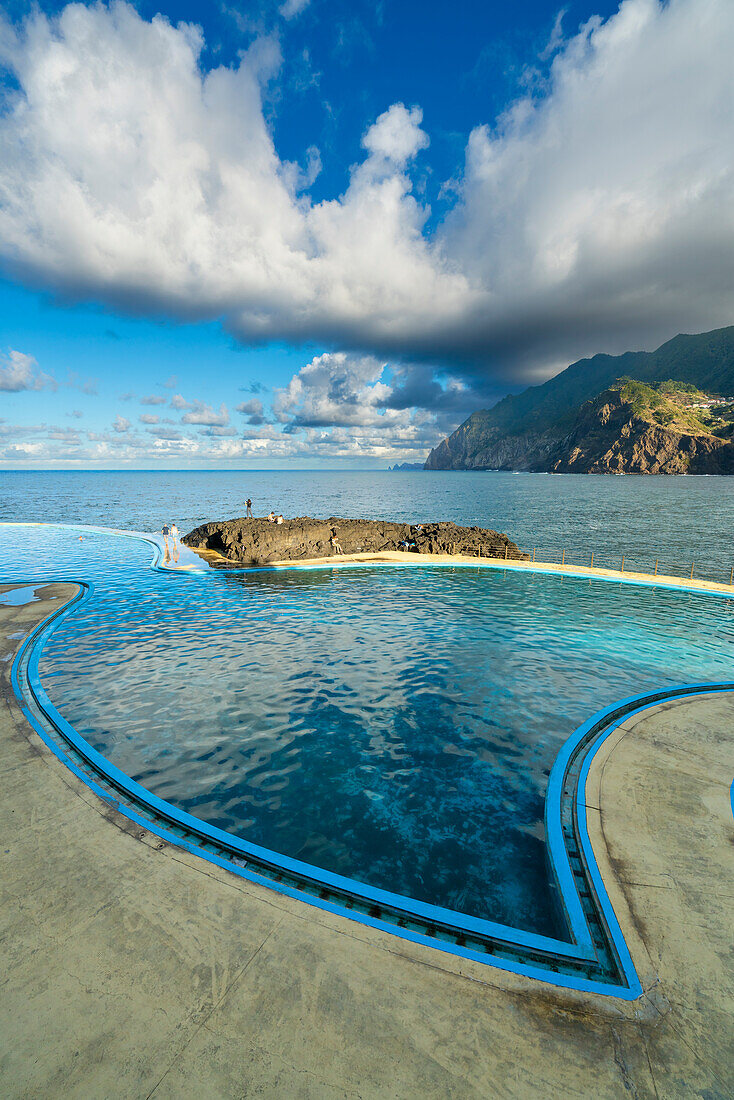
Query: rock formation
(255, 541)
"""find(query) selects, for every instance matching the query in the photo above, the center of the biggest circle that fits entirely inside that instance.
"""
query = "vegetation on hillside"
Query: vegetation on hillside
(678, 405)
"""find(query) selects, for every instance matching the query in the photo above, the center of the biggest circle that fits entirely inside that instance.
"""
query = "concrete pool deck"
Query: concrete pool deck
(133, 969)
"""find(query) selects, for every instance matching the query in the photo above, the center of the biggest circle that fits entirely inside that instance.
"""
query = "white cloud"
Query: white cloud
(86, 385)
(165, 433)
(603, 213)
(254, 407)
(149, 418)
(121, 424)
(218, 431)
(19, 371)
(291, 8)
(201, 413)
(253, 410)
(598, 214)
(397, 134)
(336, 389)
(152, 399)
(556, 38)
(179, 203)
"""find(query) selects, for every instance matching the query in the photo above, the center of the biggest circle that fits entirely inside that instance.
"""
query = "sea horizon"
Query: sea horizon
(680, 521)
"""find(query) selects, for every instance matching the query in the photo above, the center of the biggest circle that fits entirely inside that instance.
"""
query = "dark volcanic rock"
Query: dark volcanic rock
(257, 541)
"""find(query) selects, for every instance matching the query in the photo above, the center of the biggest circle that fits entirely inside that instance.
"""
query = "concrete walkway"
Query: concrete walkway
(132, 969)
(393, 557)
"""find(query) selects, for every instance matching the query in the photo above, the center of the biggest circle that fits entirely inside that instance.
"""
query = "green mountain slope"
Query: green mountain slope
(527, 431)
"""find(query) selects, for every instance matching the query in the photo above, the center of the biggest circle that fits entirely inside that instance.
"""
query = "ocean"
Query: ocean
(678, 521)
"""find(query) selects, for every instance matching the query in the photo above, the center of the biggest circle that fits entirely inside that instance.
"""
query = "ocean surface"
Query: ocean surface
(396, 725)
(680, 521)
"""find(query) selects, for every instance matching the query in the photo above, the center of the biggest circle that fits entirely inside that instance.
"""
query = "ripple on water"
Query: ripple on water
(396, 726)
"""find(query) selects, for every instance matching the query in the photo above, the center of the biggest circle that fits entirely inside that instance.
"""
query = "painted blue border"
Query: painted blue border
(603, 723)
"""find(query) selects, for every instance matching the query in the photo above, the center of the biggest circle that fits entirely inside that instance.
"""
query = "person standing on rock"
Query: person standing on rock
(248, 502)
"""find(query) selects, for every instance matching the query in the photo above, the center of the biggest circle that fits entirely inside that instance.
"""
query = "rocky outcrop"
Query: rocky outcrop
(255, 541)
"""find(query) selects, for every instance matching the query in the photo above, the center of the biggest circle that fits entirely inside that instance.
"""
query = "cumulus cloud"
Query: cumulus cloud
(152, 399)
(601, 215)
(19, 371)
(335, 389)
(396, 135)
(596, 213)
(198, 412)
(149, 418)
(165, 433)
(253, 410)
(291, 8)
(218, 431)
(364, 407)
(121, 424)
(179, 203)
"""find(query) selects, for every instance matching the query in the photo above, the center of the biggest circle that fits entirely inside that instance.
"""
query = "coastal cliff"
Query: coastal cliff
(256, 541)
(633, 429)
(583, 420)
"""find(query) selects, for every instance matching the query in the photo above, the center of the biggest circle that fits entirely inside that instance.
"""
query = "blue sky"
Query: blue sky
(317, 234)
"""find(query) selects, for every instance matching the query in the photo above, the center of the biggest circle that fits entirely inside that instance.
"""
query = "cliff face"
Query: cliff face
(545, 427)
(610, 437)
(478, 445)
(255, 541)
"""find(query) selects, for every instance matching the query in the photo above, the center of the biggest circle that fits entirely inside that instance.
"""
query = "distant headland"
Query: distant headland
(669, 411)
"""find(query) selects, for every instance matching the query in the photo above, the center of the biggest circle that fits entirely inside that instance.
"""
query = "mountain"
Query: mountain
(634, 428)
(541, 428)
(400, 467)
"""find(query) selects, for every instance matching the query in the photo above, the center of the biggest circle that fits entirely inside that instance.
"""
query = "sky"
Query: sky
(321, 233)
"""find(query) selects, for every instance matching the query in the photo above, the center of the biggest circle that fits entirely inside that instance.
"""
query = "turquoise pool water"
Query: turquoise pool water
(395, 725)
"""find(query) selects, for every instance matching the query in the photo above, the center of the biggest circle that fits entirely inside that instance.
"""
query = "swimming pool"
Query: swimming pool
(396, 726)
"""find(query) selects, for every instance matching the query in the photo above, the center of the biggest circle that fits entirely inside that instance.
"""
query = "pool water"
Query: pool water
(396, 725)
